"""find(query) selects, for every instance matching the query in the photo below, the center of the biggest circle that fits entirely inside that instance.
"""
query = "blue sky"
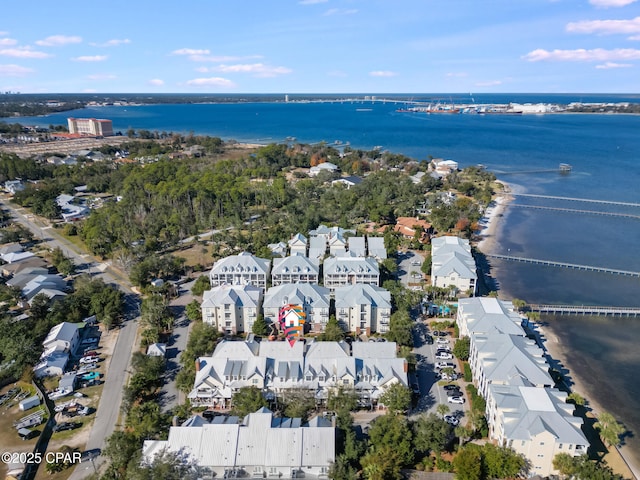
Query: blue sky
(321, 46)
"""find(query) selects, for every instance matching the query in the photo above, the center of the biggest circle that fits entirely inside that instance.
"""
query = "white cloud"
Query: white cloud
(608, 65)
(156, 82)
(258, 69)
(211, 82)
(111, 43)
(102, 76)
(23, 52)
(582, 55)
(634, 37)
(605, 27)
(311, 2)
(4, 34)
(611, 3)
(90, 58)
(14, 71)
(5, 42)
(340, 11)
(58, 40)
(382, 73)
(490, 83)
(190, 51)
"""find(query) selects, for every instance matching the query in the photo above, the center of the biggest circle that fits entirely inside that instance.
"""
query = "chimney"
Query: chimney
(197, 364)
(405, 367)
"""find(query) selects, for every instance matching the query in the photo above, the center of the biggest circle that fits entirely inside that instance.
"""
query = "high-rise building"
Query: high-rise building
(94, 127)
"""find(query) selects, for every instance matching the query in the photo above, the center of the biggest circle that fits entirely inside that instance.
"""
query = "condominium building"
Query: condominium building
(339, 271)
(486, 315)
(294, 269)
(90, 127)
(452, 264)
(363, 308)
(231, 309)
(241, 269)
(313, 299)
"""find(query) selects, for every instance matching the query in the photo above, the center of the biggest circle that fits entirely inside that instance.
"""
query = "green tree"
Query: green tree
(442, 409)
(431, 433)
(260, 326)
(609, 428)
(461, 348)
(154, 312)
(342, 399)
(468, 463)
(201, 285)
(247, 400)
(392, 431)
(577, 399)
(121, 447)
(382, 463)
(332, 331)
(342, 469)
(397, 398)
(193, 311)
(167, 466)
(298, 403)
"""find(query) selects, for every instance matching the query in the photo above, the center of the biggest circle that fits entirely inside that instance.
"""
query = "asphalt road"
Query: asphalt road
(431, 394)
(409, 264)
(108, 412)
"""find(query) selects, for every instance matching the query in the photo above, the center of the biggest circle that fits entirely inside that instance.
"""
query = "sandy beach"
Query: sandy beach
(490, 222)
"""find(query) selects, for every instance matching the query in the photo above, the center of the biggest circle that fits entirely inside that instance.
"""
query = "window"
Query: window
(345, 381)
(308, 378)
(254, 381)
(560, 446)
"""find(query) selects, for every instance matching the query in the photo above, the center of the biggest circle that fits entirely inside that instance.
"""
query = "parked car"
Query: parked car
(428, 339)
(442, 341)
(458, 400)
(88, 359)
(451, 420)
(90, 341)
(27, 434)
(61, 427)
(451, 387)
(444, 356)
(441, 365)
(454, 393)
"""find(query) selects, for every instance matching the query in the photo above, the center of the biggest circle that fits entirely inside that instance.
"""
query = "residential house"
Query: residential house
(241, 269)
(294, 269)
(537, 423)
(340, 271)
(317, 249)
(443, 167)
(13, 186)
(314, 300)
(64, 337)
(411, 227)
(323, 167)
(452, 264)
(260, 446)
(376, 248)
(298, 244)
(348, 181)
(363, 308)
(337, 245)
(157, 350)
(231, 309)
(278, 249)
(72, 208)
(357, 247)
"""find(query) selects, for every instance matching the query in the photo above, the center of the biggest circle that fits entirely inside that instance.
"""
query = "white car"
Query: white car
(441, 365)
(458, 400)
(444, 356)
(451, 420)
(90, 359)
(442, 341)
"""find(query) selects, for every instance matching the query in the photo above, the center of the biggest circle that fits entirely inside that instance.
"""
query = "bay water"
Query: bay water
(525, 151)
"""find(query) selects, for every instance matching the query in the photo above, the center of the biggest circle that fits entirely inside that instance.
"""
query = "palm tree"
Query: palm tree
(442, 409)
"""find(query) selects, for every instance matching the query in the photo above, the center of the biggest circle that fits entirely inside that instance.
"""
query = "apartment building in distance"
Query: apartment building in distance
(90, 127)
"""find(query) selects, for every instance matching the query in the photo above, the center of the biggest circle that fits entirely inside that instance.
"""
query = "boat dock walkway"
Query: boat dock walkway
(575, 210)
(572, 199)
(586, 310)
(590, 268)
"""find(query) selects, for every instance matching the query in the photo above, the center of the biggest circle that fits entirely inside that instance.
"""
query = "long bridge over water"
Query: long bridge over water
(575, 210)
(585, 310)
(550, 263)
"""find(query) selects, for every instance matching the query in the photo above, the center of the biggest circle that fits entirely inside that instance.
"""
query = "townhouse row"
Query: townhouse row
(276, 368)
(511, 372)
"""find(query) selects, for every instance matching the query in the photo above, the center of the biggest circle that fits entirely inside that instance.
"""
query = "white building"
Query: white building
(231, 308)
(536, 422)
(241, 269)
(276, 367)
(376, 248)
(340, 271)
(314, 300)
(294, 269)
(260, 446)
(363, 308)
(323, 167)
(453, 264)
(298, 244)
(487, 315)
(64, 337)
(357, 247)
(94, 127)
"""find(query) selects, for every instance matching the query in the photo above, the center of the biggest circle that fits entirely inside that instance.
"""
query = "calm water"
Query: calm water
(604, 151)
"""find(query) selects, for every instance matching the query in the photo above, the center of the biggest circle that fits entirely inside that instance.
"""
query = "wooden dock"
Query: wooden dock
(575, 266)
(573, 199)
(586, 310)
(575, 210)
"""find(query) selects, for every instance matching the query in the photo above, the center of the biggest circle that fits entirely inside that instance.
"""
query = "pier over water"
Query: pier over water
(571, 199)
(585, 310)
(550, 263)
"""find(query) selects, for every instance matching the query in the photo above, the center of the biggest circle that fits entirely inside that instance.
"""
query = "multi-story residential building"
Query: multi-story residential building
(500, 359)
(294, 269)
(231, 309)
(452, 264)
(241, 269)
(363, 308)
(376, 248)
(259, 446)
(357, 247)
(298, 244)
(337, 245)
(317, 249)
(536, 422)
(314, 300)
(90, 126)
(340, 271)
(486, 315)
(277, 367)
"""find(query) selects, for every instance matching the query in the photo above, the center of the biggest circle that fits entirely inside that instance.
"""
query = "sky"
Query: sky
(320, 46)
